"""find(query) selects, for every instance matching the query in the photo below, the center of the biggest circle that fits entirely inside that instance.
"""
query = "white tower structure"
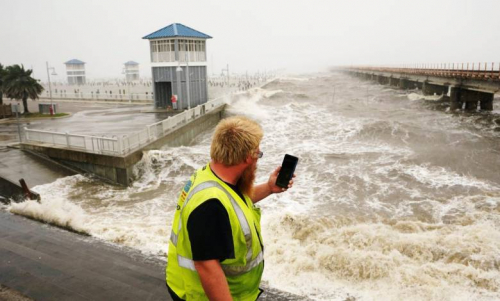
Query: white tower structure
(75, 70)
(179, 66)
(131, 70)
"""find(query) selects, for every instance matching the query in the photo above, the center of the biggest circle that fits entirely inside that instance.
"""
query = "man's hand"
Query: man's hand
(271, 183)
(265, 189)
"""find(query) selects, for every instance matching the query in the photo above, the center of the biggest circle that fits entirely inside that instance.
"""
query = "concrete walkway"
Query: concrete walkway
(42, 262)
(45, 263)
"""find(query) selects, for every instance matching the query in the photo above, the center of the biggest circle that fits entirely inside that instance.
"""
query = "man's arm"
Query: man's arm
(261, 192)
(213, 280)
(264, 190)
(211, 239)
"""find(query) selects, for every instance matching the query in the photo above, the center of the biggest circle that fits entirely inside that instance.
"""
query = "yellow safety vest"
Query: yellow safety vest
(244, 272)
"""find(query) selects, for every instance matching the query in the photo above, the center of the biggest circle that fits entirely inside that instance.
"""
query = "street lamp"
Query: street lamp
(227, 73)
(124, 71)
(50, 86)
(187, 79)
(179, 85)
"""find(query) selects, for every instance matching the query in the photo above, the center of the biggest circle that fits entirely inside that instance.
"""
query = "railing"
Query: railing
(101, 96)
(91, 144)
(121, 145)
(480, 71)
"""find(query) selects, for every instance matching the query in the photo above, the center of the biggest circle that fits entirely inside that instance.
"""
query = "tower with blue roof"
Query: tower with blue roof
(75, 71)
(179, 66)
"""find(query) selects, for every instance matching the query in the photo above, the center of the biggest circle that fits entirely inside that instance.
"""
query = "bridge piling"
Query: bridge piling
(455, 99)
(431, 89)
(459, 96)
(486, 101)
(471, 105)
(393, 81)
(406, 84)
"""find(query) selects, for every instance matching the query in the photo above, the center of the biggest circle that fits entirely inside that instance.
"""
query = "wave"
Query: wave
(280, 83)
(416, 96)
(53, 208)
(388, 260)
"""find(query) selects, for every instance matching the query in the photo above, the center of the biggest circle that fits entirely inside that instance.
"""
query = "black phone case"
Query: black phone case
(281, 181)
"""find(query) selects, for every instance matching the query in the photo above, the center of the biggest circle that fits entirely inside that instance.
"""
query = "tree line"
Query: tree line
(17, 83)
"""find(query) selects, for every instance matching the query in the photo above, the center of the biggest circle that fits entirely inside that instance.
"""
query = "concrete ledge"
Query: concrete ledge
(63, 153)
(119, 168)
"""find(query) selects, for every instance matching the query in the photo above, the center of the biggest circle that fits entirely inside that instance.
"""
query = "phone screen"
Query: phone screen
(287, 170)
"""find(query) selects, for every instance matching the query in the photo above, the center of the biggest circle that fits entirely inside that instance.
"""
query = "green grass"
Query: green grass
(36, 115)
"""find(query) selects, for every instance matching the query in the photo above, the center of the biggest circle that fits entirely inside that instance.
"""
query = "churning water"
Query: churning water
(395, 199)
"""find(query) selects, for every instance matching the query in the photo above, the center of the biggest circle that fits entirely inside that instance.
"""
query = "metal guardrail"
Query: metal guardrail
(124, 144)
(479, 71)
(100, 96)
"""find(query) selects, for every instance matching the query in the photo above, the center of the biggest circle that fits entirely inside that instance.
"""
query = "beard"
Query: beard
(245, 183)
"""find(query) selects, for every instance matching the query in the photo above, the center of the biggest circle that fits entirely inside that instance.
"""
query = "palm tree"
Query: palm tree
(18, 84)
(2, 73)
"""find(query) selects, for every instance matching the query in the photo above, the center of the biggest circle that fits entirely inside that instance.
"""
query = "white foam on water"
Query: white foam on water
(404, 260)
(293, 78)
(416, 96)
(146, 227)
(269, 94)
(54, 208)
(436, 176)
(247, 103)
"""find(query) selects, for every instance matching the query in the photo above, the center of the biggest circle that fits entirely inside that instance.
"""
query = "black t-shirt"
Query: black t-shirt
(210, 230)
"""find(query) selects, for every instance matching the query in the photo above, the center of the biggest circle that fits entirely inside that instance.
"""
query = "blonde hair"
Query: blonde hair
(234, 139)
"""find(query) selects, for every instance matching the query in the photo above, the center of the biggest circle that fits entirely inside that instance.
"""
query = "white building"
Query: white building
(131, 71)
(179, 66)
(75, 70)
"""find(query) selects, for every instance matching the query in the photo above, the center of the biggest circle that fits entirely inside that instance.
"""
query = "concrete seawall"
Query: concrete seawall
(119, 168)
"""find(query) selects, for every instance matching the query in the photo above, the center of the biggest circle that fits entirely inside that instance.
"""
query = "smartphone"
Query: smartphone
(286, 171)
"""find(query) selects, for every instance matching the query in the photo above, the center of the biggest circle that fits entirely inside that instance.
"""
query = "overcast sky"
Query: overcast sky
(300, 36)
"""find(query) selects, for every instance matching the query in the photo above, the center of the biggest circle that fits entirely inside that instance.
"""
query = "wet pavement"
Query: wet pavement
(42, 262)
(93, 118)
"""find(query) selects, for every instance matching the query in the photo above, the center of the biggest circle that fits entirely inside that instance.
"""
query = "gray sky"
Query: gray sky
(300, 36)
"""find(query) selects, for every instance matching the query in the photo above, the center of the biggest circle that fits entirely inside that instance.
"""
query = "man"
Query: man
(215, 250)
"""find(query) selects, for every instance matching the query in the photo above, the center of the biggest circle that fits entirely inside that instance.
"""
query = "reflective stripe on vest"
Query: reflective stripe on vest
(228, 270)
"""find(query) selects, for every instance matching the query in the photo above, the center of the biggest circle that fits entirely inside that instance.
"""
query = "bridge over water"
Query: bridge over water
(467, 85)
